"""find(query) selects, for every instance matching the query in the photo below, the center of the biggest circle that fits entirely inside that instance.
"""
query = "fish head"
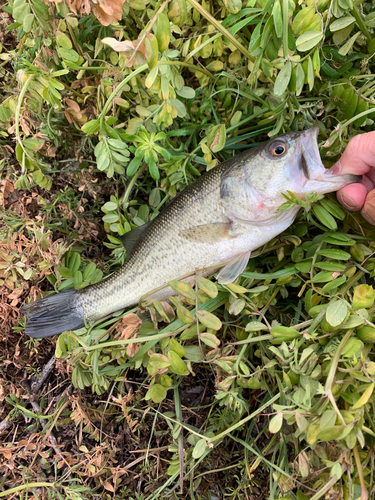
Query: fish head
(290, 162)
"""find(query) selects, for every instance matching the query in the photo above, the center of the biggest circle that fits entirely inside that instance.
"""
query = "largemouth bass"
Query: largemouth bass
(216, 221)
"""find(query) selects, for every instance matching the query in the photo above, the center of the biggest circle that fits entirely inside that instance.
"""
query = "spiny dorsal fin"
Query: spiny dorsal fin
(130, 239)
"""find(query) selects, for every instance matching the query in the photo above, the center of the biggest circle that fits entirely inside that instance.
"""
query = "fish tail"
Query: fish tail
(53, 315)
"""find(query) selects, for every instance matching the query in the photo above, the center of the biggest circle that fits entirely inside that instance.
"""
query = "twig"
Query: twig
(37, 384)
(43, 423)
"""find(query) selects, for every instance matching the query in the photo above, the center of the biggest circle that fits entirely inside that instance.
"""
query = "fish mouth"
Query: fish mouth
(313, 168)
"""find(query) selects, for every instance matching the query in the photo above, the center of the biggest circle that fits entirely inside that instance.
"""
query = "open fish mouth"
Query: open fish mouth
(318, 177)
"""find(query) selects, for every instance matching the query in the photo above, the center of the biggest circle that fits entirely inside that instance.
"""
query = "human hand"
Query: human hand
(359, 158)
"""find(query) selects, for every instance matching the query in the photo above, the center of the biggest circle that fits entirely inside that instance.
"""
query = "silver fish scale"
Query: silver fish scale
(161, 254)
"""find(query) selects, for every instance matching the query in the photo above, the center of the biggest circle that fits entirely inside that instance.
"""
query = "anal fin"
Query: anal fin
(234, 268)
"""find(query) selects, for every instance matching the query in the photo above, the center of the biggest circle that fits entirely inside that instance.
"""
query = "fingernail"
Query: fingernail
(348, 202)
(336, 169)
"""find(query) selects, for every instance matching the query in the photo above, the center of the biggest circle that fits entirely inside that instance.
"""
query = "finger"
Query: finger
(367, 182)
(352, 197)
(368, 211)
(371, 175)
(358, 157)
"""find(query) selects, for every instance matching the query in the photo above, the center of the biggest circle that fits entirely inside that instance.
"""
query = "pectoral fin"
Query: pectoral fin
(233, 269)
(130, 239)
(208, 233)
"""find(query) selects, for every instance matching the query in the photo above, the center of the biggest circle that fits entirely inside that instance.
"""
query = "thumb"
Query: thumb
(358, 157)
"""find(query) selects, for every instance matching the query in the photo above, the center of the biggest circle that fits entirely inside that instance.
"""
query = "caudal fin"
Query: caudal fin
(53, 315)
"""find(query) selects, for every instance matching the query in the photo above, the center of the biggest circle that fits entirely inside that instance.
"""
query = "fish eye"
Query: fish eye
(277, 148)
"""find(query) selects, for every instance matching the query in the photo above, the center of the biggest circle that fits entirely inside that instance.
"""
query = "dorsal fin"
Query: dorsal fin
(130, 238)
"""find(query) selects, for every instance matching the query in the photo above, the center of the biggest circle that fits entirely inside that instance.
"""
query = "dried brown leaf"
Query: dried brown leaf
(108, 11)
(134, 50)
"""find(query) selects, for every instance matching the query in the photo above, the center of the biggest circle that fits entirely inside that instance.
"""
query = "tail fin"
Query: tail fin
(53, 315)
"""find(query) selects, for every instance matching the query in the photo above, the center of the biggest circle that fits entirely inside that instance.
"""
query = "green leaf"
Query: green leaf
(216, 138)
(28, 22)
(133, 166)
(300, 79)
(157, 393)
(283, 79)
(255, 326)
(336, 312)
(342, 23)
(110, 205)
(209, 320)
(284, 333)
(328, 419)
(334, 209)
(151, 77)
(304, 266)
(324, 217)
(184, 314)
(182, 288)
(334, 433)
(33, 144)
(166, 380)
(77, 277)
(276, 423)
(89, 271)
(334, 284)
(209, 339)
(310, 73)
(111, 218)
(206, 286)
(91, 127)
(154, 171)
(163, 31)
(308, 40)
(302, 20)
(277, 19)
(333, 253)
(103, 161)
(349, 44)
(330, 266)
(177, 348)
(338, 239)
(178, 366)
(5, 114)
(75, 261)
(152, 50)
(351, 348)
(200, 448)
(65, 272)
(154, 198)
(363, 298)
(365, 397)
(186, 93)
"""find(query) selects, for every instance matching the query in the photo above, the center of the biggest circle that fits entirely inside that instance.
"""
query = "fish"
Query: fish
(215, 222)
